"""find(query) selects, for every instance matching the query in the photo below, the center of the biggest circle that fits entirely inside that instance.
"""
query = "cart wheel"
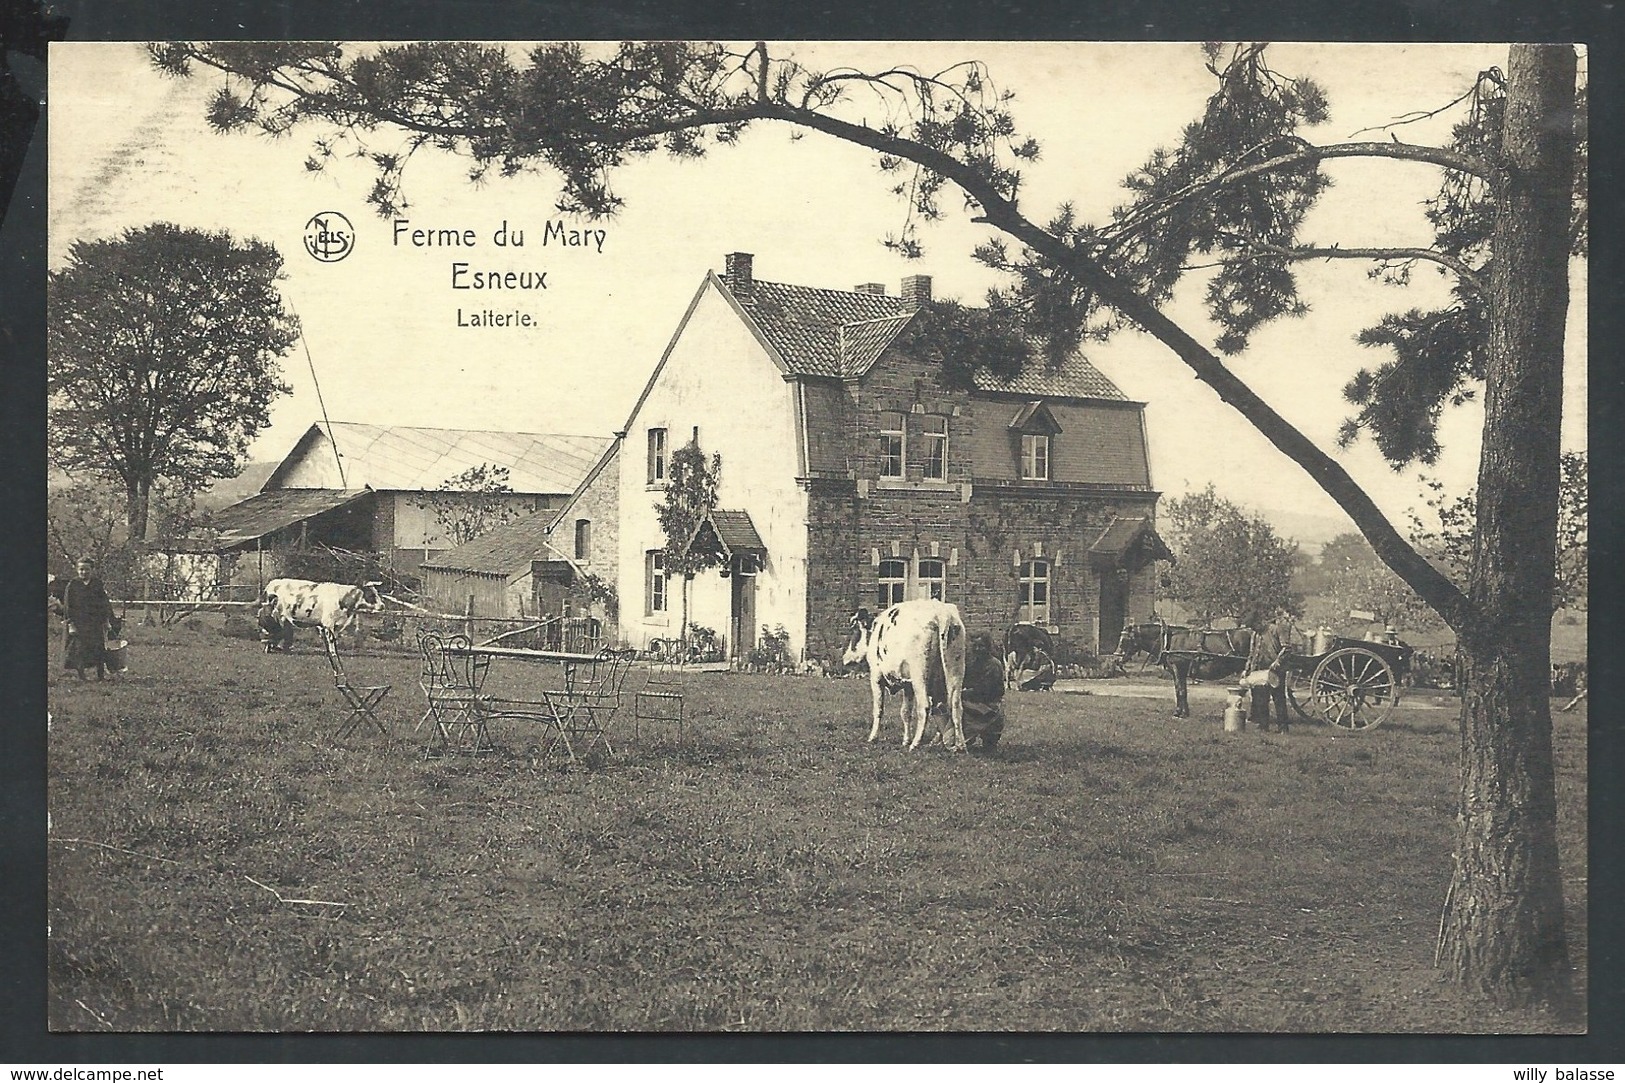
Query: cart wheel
(1293, 683)
(1353, 688)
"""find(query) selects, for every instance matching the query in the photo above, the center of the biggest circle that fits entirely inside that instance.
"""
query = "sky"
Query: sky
(130, 146)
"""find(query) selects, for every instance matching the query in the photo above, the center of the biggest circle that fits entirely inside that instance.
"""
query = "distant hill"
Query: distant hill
(229, 491)
(1310, 531)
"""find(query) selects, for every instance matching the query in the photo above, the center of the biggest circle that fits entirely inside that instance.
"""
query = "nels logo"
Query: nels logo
(329, 237)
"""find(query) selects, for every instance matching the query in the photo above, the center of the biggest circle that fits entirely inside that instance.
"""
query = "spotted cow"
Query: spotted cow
(331, 607)
(916, 648)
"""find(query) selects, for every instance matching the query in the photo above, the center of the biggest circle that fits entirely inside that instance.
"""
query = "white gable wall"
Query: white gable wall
(719, 376)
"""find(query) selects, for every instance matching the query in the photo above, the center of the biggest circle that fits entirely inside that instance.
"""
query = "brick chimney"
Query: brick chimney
(877, 289)
(916, 292)
(736, 271)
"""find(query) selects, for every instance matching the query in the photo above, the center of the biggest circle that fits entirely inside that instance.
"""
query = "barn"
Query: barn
(377, 490)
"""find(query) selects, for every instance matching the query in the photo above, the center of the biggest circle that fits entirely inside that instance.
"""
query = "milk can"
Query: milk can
(1235, 717)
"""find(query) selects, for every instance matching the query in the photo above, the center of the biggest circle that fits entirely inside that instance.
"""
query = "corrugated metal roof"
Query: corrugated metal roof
(266, 513)
(841, 333)
(504, 550)
(395, 457)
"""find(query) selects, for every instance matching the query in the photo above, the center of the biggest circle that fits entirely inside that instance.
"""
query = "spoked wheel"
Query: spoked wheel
(1297, 694)
(1353, 688)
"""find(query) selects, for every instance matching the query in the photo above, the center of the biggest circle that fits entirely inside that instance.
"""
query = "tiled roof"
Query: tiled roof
(1076, 378)
(504, 550)
(1124, 531)
(394, 457)
(266, 513)
(841, 333)
(804, 324)
(736, 532)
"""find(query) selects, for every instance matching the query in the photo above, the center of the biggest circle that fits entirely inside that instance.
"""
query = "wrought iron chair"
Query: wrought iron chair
(589, 702)
(660, 699)
(451, 678)
(363, 700)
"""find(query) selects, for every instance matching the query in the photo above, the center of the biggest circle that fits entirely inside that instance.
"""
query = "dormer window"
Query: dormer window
(1034, 457)
(893, 442)
(1034, 427)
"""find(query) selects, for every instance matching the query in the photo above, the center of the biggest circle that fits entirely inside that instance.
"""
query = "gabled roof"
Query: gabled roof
(841, 333)
(1035, 417)
(265, 513)
(505, 550)
(1124, 534)
(395, 457)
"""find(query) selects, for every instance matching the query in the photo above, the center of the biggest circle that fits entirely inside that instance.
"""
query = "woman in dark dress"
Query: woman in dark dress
(86, 612)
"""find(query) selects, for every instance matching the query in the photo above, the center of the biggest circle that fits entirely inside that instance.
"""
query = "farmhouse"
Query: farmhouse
(540, 565)
(376, 489)
(855, 473)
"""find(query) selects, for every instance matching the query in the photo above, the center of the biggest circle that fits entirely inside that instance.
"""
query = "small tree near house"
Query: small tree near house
(471, 503)
(691, 495)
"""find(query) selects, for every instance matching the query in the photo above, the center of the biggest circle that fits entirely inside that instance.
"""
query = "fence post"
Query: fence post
(146, 596)
(468, 619)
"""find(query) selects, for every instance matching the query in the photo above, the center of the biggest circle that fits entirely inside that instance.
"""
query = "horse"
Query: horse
(1178, 648)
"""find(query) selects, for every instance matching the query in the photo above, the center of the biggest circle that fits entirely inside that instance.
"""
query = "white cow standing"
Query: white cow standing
(331, 607)
(917, 648)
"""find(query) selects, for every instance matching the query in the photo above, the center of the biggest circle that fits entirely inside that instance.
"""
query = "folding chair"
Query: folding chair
(363, 699)
(451, 677)
(588, 703)
(660, 699)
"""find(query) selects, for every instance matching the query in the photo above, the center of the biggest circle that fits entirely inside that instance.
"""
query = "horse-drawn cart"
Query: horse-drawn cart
(1353, 684)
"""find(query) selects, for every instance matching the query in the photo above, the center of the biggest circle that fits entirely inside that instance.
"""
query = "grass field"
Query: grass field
(1108, 869)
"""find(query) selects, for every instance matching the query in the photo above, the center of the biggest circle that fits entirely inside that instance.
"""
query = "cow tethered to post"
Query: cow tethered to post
(332, 607)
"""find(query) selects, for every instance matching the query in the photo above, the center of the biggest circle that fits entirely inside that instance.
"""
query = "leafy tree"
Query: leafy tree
(692, 482)
(1230, 563)
(1229, 202)
(87, 516)
(163, 358)
(1452, 541)
(469, 504)
(1354, 579)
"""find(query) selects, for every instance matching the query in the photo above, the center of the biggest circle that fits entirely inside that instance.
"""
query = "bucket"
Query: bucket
(116, 655)
(1235, 720)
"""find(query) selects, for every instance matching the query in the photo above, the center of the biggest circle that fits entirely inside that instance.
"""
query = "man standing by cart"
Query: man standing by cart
(1266, 673)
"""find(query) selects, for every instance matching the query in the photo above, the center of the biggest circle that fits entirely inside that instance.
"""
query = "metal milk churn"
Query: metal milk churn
(1235, 718)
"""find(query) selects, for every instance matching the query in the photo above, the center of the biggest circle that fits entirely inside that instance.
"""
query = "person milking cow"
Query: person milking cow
(1265, 676)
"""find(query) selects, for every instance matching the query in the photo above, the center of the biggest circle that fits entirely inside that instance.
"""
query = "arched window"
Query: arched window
(583, 539)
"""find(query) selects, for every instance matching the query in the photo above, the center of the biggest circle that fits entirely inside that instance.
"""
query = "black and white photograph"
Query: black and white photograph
(937, 536)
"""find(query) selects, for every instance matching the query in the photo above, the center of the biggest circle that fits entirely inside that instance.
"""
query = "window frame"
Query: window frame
(887, 435)
(657, 584)
(1027, 579)
(1035, 451)
(936, 447)
(658, 461)
(893, 587)
(924, 583)
(583, 539)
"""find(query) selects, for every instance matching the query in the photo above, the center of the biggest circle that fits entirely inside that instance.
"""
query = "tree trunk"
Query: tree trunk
(137, 499)
(1504, 932)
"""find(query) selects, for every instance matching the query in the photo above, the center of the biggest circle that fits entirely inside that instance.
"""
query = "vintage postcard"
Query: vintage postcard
(817, 536)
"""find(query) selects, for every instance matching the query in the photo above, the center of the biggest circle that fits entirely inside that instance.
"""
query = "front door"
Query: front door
(1113, 608)
(742, 613)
